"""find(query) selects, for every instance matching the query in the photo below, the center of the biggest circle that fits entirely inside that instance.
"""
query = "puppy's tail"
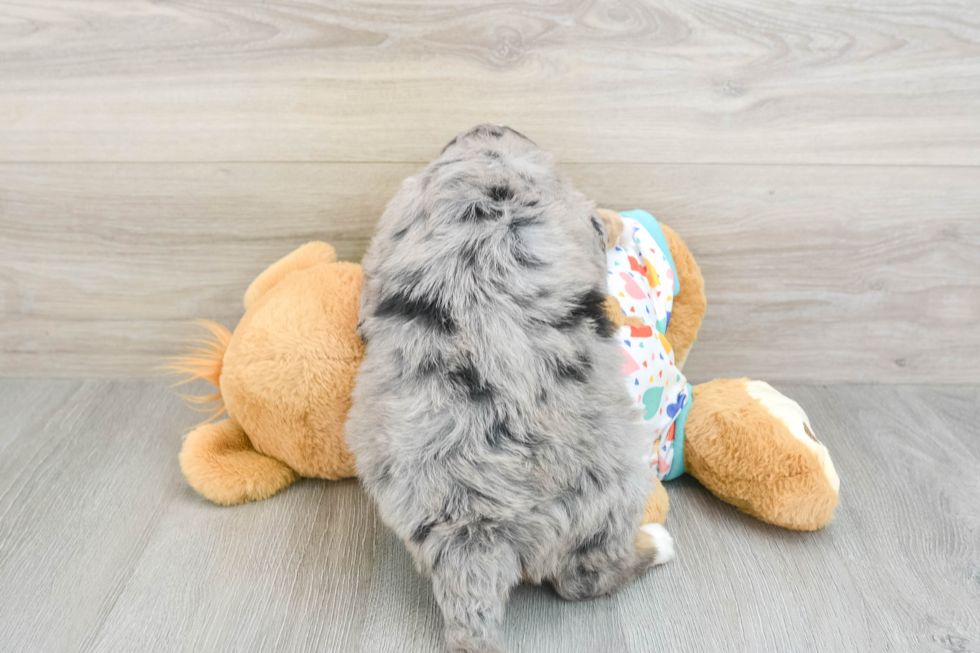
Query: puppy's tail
(474, 570)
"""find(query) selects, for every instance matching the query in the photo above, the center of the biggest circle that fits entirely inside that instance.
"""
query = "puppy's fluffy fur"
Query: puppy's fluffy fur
(490, 419)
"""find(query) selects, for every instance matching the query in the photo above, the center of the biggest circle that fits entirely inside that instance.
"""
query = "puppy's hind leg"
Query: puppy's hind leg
(606, 562)
(474, 569)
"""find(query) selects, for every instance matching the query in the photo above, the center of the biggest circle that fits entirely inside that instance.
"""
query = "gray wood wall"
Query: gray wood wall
(821, 159)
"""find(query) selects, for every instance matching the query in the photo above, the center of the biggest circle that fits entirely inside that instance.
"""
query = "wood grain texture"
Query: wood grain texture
(321, 80)
(813, 273)
(104, 548)
(821, 158)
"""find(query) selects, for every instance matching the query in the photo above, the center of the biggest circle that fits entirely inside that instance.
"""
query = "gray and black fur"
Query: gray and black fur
(490, 419)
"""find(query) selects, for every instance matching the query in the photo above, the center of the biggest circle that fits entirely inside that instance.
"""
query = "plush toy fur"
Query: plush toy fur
(285, 378)
(752, 460)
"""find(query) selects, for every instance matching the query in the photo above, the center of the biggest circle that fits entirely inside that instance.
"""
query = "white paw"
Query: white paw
(662, 542)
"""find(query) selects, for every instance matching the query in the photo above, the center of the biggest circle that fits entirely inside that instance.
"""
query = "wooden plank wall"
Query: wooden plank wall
(821, 159)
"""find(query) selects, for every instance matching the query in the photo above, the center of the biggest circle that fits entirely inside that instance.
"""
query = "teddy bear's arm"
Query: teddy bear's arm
(220, 462)
(689, 304)
(310, 254)
(615, 314)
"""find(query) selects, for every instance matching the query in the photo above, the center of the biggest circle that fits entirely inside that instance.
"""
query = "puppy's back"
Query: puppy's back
(489, 420)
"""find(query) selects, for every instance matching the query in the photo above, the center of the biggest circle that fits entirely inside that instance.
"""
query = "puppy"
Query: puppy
(490, 418)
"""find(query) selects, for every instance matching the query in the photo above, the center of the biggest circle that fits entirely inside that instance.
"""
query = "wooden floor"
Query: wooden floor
(821, 158)
(103, 547)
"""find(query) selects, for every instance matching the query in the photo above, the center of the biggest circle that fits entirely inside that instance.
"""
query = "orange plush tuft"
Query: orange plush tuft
(205, 363)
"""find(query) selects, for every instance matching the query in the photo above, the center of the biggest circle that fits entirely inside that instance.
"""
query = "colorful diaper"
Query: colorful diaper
(643, 277)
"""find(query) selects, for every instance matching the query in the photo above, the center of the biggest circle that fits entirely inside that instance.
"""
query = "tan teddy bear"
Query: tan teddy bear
(286, 373)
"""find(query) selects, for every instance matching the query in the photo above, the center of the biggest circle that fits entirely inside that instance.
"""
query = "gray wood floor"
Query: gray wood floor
(104, 548)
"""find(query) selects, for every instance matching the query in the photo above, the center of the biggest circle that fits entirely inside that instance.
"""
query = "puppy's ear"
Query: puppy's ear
(601, 232)
(613, 224)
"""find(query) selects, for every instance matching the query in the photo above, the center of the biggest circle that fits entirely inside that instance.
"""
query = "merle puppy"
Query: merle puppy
(490, 420)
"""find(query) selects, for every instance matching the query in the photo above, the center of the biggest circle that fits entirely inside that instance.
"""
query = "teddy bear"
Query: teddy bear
(285, 377)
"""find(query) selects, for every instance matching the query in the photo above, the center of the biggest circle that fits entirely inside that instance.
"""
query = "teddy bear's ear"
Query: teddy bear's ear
(613, 223)
(310, 254)
(689, 304)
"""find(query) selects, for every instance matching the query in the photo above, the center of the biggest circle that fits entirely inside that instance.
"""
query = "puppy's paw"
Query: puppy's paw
(656, 538)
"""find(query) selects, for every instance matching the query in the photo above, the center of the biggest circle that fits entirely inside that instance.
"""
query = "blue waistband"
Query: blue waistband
(677, 464)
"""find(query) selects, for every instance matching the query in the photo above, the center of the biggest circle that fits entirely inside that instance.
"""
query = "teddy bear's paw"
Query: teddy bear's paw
(656, 537)
(220, 462)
